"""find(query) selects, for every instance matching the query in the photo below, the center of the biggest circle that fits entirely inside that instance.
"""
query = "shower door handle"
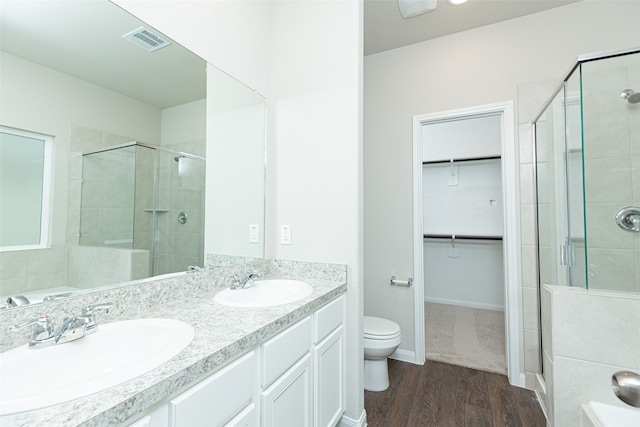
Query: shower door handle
(564, 255)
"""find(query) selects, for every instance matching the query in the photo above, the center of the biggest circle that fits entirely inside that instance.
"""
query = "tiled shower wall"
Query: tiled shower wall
(85, 140)
(612, 171)
(181, 189)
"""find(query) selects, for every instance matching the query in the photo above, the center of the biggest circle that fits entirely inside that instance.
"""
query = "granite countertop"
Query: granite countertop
(221, 335)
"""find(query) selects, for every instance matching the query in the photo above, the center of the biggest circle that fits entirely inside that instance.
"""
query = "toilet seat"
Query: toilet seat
(377, 328)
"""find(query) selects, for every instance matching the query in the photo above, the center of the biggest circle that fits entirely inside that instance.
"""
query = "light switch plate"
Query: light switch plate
(254, 233)
(285, 234)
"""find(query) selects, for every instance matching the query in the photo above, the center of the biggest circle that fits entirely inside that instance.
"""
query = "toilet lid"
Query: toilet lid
(379, 327)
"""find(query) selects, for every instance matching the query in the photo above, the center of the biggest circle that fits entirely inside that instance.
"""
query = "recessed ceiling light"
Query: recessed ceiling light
(456, 2)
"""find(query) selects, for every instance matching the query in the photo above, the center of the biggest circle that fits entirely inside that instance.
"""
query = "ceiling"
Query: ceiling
(84, 39)
(384, 27)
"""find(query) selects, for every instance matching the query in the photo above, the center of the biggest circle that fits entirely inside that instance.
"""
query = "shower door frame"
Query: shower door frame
(514, 338)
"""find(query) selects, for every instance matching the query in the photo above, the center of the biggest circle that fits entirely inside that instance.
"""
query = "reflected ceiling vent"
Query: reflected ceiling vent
(146, 39)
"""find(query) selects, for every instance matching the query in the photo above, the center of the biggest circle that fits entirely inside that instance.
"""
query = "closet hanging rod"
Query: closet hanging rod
(461, 236)
(470, 159)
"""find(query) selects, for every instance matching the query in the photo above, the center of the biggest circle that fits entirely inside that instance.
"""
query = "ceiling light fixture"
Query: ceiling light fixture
(409, 8)
(456, 2)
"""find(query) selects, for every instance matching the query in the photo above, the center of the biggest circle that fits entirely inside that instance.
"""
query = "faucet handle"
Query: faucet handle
(97, 307)
(42, 321)
(89, 312)
(56, 296)
(235, 281)
(43, 327)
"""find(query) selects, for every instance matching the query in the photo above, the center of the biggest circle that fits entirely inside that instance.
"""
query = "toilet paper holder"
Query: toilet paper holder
(403, 283)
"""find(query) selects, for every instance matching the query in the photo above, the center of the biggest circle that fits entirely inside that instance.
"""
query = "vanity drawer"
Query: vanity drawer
(217, 399)
(328, 318)
(284, 350)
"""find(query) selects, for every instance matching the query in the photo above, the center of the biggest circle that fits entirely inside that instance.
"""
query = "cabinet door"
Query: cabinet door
(282, 351)
(246, 418)
(329, 379)
(287, 403)
(217, 399)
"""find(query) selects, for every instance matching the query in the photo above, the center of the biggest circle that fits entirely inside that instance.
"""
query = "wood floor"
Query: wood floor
(441, 395)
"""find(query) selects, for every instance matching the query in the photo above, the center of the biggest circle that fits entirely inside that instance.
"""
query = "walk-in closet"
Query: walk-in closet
(463, 211)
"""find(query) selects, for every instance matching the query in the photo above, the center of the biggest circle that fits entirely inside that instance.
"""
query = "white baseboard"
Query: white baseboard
(406, 356)
(462, 303)
(351, 422)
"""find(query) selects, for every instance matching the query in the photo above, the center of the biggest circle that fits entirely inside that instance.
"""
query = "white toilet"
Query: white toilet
(381, 339)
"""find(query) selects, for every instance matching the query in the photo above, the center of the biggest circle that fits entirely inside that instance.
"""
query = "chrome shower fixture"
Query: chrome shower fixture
(631, 96)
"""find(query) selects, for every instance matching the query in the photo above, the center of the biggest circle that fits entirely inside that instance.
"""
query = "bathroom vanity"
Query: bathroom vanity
(271, 366)
(293, 379)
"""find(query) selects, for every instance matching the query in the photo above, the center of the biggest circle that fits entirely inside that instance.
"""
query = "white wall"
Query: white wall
(186, 122)
(235, 154)
(475, 67)
(314, 164)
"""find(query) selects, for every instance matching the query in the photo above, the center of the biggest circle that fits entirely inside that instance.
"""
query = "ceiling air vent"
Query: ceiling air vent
(146, 39)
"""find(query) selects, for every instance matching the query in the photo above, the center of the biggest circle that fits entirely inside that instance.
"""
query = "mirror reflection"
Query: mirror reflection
(129, 130)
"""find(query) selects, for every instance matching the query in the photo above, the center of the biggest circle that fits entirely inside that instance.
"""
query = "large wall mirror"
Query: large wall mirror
(157, 156)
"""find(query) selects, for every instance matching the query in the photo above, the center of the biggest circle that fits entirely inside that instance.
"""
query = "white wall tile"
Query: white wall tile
(587, 325)
(612, 269)
(576, 382)
(608, 180)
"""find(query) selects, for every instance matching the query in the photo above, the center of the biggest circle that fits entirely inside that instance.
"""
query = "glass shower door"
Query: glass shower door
(560, 206)
(576, 253)
(180, 212)
(551, 194)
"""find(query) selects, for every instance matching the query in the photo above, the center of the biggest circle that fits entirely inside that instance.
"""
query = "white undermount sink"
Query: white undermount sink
(117, 352)
(265, 293)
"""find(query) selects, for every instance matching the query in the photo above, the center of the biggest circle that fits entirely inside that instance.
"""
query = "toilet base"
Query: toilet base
(376, 375)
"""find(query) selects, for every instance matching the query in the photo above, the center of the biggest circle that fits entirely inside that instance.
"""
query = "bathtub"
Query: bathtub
(599, 414)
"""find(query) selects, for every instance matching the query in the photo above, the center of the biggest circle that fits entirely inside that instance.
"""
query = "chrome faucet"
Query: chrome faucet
(17, 301)
(72, 328)
(238, 283)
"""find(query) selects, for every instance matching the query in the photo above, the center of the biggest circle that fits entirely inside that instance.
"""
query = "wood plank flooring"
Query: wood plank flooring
(441, 395)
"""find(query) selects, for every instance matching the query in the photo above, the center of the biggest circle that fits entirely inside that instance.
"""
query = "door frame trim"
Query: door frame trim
(511, 238)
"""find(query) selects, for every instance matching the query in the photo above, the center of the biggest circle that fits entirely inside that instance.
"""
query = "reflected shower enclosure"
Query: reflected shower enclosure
(588, 176)
(148, 200)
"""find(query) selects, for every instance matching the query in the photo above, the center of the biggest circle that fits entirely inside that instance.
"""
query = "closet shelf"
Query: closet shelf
(461, 236)
(470, 159)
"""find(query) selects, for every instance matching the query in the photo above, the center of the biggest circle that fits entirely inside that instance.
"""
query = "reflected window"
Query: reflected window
(25, 189)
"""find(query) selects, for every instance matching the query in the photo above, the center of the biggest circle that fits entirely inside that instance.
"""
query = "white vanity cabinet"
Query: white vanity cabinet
(286, 377)
(294, 379)
(328, 364)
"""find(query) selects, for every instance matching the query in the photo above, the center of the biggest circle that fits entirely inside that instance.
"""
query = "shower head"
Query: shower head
(177, 158)
(631, 96)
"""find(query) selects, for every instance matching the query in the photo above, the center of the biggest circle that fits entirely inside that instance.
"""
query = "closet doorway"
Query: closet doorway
(465, 241)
